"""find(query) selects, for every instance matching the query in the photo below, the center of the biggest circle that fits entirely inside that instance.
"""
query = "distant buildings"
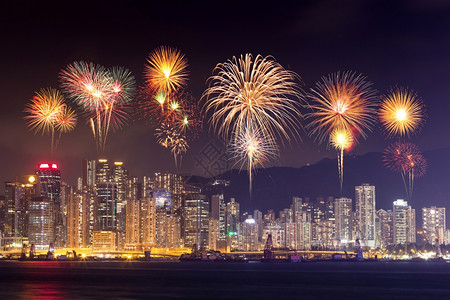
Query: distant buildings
(365, 214)
(404, 220)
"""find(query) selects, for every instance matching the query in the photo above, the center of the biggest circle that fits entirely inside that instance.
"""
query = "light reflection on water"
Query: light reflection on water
(131, 280)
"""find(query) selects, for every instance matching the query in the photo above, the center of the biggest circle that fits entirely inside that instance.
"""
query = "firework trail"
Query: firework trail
(103, 94)
(344, 104)
(258, 93)
(341, 140)
(44, 110)
(406, 159)
(253, 149)
(401, 112)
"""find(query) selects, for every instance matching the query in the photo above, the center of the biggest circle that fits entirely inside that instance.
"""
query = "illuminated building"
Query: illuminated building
(103, 241)
(258, 216)
(433, 224)
(365, 214)
(343, 220)
(88, 173)
(213, 234)
(75, 224)
(250, 234)
(132, 224)
(386, 231)
(17, 199)
(218, 213)
(404, 223)
(106, 206)
(49, 186)
(163, 198)
(103, 172)
(148, 222)
(148, 184)
(196, 221)
(41, 222)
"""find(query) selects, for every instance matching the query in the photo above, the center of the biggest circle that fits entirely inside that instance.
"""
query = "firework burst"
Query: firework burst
(342, 101)
(166, 69)
(103, 94)
(45, 110)
(257, 93)
(401, 112)
(406, 159)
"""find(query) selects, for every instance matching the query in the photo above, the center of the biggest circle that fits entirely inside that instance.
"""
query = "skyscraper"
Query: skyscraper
(433, 224)
(365, 214)
(404, 220)
(49, 186)
(343, 220)
(196, 219)
(106, 206)
(41, 226)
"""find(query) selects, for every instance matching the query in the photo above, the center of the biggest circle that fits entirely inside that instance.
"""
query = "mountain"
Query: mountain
(273, 188)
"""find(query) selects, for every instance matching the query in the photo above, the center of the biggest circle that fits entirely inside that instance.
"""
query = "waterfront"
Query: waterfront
(190, 280)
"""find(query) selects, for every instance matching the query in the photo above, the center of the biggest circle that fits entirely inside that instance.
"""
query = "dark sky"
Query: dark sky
(404, 43)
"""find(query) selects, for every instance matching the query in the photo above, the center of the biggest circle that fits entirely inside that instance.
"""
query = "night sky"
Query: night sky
(405, 43)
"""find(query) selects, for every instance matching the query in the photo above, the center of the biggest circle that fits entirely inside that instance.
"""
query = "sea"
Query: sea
(214, 280)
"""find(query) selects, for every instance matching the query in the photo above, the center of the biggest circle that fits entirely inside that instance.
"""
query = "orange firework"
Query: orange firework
(341, 139)
(342, 101)
(401, 112)
(166, 69)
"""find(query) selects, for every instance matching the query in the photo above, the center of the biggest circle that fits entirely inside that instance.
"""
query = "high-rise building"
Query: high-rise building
(365, 214)
(133, 220)
(250, 234)
(343, 220)
(196, 219)
(41, 223)
(88, 173)
(49, 186)
(404, 223)
(106, 206)
(172, 183)
(148, 222)
(232, 216)
(75, 220)
(433, 224)
(218, 213)
(103, 171)
(385, 235)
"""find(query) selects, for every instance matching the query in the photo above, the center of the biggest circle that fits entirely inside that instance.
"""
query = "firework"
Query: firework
(253, 149)
(166, 69)
(103, 94)
(169, 137)
(258, 93)
(341, 140)
(44, 111)
(401, 112)
(406, 159)
(342, 101)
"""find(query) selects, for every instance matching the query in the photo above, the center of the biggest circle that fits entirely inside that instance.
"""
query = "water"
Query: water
(208, 280)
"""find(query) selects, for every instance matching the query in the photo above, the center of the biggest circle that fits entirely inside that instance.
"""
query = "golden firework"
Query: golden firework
(257, 93)
(401, 112)
(341, 139)
(342, 101)
(166, 69)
